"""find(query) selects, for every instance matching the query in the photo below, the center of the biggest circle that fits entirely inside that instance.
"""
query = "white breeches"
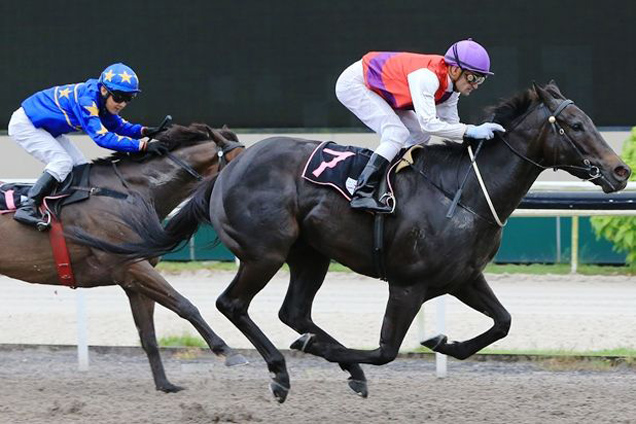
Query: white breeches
(59, 154)
(397, 128)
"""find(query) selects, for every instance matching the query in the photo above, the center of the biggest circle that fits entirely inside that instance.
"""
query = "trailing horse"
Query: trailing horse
(163, 182)
(267, 215)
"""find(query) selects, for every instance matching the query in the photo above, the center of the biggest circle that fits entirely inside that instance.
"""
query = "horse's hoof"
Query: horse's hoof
(359, 387)
(170, 388)
(435, 342)
(279, 391)
(303, 342)
(235, 359)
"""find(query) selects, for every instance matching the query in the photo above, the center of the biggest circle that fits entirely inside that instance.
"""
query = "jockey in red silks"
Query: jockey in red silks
(406, 98)
(41, 123)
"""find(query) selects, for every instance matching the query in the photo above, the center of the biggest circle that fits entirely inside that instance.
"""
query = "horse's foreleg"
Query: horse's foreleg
(479, 296)
(141, 277)
(403, 304)
(143, 310)
(234, 303)
(307, 270)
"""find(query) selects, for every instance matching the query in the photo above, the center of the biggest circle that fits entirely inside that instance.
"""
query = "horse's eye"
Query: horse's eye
(577, 126)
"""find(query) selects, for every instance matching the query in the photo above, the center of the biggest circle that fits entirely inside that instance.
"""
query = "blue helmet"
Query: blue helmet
(119, 77)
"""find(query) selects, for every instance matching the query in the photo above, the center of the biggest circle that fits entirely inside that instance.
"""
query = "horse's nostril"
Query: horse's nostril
(622, 172)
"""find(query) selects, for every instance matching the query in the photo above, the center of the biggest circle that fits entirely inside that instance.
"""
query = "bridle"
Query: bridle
(592, 170)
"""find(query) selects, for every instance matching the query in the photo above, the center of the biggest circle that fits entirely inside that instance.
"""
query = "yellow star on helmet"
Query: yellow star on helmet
(92, 109)
(108, 76)
(102, 130)
(65, 92)
(125, 77)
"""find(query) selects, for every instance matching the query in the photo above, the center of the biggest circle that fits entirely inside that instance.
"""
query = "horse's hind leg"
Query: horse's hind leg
(141, 277)
(478, 295)
(403, 304)
(234, 303)
(143, 310)
(307, 270)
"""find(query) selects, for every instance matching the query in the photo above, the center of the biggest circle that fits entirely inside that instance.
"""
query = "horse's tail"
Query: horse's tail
(155, 240)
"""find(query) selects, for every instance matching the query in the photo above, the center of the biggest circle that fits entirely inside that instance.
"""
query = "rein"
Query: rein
(190, 170)
(184, 165)
(221, 155)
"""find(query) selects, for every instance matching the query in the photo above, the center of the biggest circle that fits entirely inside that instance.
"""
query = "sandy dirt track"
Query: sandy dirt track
(44, 386)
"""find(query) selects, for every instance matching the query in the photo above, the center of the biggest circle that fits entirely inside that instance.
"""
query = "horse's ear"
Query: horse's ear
(555, 88)
(542, 93)
(218, 138)
(229, 134)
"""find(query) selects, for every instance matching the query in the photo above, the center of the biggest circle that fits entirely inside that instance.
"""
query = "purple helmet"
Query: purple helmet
(469, 55)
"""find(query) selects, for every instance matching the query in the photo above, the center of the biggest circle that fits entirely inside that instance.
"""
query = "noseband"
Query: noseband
(593, 171)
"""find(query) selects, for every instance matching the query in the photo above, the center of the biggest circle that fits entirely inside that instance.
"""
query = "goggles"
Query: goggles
(121, 97)
(473, 78)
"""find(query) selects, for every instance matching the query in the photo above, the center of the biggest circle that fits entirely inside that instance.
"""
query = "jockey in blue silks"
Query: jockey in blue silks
(41, 123)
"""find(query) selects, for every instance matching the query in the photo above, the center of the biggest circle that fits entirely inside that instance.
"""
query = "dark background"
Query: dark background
(262, 64)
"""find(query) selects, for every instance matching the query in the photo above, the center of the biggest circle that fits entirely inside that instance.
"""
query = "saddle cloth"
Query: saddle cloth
(339, 167)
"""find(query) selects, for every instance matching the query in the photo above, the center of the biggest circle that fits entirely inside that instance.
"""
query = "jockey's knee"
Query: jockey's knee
(60, 169)
(389, 149)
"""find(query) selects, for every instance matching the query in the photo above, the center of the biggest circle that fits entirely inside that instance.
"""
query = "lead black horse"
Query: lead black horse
(267, 215)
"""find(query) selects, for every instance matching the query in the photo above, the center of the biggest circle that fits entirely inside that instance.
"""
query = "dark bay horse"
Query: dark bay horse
(161, 182)
(265, 213)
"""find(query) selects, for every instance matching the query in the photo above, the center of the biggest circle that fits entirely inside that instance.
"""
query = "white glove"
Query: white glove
(483, 131)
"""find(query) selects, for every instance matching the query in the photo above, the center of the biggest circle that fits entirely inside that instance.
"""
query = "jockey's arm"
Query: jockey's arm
(447, 111)
(118, 125)
(423, 84)
(88, 115)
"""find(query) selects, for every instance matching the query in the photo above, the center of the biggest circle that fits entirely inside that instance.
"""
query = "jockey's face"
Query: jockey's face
(111, 105)
(465, 81)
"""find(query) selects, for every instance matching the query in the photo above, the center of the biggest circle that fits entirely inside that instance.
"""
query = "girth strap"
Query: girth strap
(60, 254)
(378, 238)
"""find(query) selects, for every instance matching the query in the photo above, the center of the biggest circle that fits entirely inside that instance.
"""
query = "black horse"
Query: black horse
(165, 181)
(267, 215)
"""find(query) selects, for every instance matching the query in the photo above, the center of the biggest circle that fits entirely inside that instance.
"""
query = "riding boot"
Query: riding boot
(365, 196)
(28, 212)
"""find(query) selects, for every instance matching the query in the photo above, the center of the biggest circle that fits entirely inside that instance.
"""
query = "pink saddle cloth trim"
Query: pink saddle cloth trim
(8, 198)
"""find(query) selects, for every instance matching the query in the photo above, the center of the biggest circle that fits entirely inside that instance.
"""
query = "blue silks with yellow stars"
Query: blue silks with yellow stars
(75, 107)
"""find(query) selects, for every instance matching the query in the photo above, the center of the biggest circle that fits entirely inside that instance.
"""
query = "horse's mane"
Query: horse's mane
(503, 113)
(177, 136)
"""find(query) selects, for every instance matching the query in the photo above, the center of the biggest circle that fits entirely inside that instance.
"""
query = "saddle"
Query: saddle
(75, 188)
